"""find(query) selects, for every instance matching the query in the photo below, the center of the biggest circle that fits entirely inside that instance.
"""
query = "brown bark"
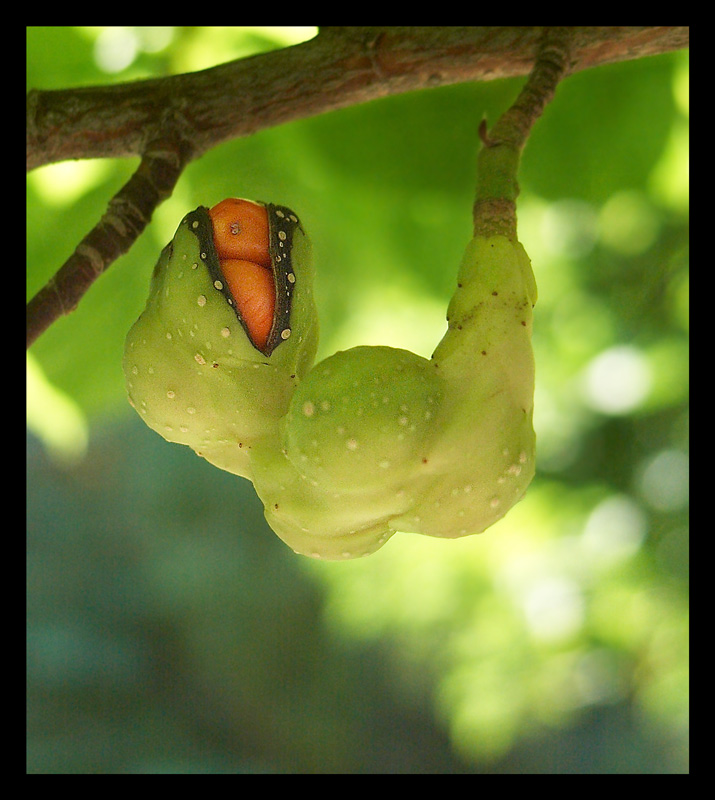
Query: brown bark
(339, 67)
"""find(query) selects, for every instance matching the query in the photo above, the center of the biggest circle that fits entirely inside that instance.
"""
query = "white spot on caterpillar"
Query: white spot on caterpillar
(514, 469)
(201, 300)
(168, 335)
(282, 235)
(171, 394)
(308, 409)
(194, 265)
(494, 502)
(351, 444)
(190, 410)
(218, 285)
(135, 370)
(195, 224)
(225, 332)
(285, 333)
(325, 405)
(522, 457)
(384, 464)
(291, 277)
(199, 359)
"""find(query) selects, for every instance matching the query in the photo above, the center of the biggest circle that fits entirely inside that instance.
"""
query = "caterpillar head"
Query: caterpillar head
(230, 326)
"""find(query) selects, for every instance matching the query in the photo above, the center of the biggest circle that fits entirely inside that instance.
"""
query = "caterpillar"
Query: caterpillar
(368, 442)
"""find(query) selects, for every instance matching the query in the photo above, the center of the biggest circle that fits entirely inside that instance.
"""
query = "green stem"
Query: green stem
(498, 161)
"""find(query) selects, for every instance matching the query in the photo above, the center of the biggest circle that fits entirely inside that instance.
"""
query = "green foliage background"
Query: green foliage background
(169, 631)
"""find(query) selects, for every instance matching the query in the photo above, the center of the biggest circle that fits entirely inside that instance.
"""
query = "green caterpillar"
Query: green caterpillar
(372, 440)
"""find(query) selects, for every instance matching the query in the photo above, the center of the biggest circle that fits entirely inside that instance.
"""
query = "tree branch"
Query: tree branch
(340, 67)
(170, 121)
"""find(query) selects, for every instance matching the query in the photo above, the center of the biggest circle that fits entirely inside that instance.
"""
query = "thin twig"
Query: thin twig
(498, 162)
(127, 215)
